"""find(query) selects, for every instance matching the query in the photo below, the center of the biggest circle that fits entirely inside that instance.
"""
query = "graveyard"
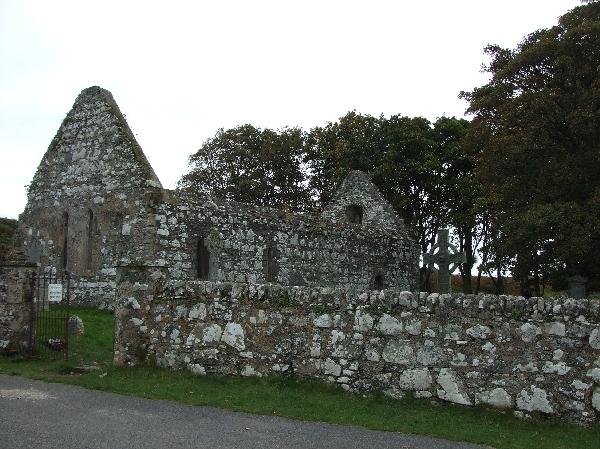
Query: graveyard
(394, 273)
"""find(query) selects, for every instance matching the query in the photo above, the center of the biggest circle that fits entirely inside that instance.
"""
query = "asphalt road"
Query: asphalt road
(40, 415)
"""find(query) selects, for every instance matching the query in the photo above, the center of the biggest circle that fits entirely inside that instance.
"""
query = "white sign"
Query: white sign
(54, 292)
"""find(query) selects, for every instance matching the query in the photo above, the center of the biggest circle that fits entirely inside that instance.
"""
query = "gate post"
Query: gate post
(16, 304)
(137, 286)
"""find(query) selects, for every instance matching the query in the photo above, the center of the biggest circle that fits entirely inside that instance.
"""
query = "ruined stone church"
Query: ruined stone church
(96, 204)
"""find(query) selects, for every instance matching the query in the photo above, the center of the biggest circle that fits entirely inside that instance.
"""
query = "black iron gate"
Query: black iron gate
(49, 328)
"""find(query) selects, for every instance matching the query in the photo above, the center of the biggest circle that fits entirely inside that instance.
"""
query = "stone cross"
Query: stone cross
(446, 258)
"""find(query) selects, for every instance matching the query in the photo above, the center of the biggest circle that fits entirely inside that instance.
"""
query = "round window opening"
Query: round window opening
(354, 213)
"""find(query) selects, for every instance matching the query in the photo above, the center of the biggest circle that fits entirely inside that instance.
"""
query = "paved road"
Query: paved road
(40, 415)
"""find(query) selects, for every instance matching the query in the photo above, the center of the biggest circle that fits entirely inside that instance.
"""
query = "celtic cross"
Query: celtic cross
(446, 258)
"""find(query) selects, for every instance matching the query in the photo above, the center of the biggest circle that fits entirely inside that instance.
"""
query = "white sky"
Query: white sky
(180, 70)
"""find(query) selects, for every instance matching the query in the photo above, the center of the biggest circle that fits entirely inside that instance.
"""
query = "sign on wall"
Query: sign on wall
(54, 292)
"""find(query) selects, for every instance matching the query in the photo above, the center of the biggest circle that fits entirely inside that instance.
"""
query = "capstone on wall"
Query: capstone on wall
(529, 355)
(95, 203)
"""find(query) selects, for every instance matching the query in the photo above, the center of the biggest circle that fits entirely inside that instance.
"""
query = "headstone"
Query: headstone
(446, 258)
(76, 326)
(577, 287)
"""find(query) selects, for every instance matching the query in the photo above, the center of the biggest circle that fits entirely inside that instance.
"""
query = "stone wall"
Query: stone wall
(95, 203)
(93, 178)
(15, 305)
(304, 251)
(529, 355)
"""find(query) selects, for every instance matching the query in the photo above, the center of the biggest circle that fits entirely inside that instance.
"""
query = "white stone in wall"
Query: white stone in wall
(594, 373)
(132, 303)
(315, 349)
(498, 397)
(405, 298)
(399, 352)
(415, 379)
(372, 355)
(559, 368)
(558, 354)
(179, 312)
(529, 332)
(211, 333)
(136, 321)
(233, 335)
(388, 325)
(595, 338)
(452, 388)
(452, 332)
(323, 321)
(596, 399)
(479, 331)
(579, 385)
(529, 367)
(249, 371)
(126, 229)
(555, 328)
(489, 347)
(537, 400)
(197, 312)
(362, 321)
(429, 355)
(331, 368)
(413, 327)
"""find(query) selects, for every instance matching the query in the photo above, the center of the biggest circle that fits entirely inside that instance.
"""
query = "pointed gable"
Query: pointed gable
(357, 201)
(94, 150)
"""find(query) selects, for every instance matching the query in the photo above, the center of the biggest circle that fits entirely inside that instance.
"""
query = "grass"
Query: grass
(298, 399)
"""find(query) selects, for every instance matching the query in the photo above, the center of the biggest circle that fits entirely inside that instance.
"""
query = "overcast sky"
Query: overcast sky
(181, 70)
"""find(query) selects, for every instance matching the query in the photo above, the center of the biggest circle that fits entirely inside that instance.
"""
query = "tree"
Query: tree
(250, 165)
(8, 228)
(536, 135)
(413, 162)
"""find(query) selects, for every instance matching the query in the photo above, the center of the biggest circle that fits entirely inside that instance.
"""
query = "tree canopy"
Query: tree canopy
(8, 227)
(536, 139)
(519, 185)
(251, 165)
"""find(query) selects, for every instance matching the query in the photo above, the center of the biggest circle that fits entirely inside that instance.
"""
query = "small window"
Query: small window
(89, 248)
(202, 259)
(354, 214)
(378, 282)
(270, 263)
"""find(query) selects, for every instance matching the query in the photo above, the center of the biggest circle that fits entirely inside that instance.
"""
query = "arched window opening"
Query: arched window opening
(378, 282)
(89, 248)
(354, 214)
(202, 259)
(65, 232)
(270, 264)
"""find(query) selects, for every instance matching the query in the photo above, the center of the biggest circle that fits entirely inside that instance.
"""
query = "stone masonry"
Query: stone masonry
(95, 203)
(15, 304)
(529, 355)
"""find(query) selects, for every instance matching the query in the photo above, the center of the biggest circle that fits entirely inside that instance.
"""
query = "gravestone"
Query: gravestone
(577, 287)
(447, 258)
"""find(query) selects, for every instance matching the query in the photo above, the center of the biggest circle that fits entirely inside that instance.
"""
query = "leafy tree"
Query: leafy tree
(8, 228)
(332, 151)
(247, 164)
(536, 134)
(413, 162)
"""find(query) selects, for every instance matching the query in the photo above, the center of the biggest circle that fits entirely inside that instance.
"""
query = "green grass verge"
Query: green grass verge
(298, 399)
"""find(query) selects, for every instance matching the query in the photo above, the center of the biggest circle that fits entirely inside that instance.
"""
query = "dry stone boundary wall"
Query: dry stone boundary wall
(530, 355)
